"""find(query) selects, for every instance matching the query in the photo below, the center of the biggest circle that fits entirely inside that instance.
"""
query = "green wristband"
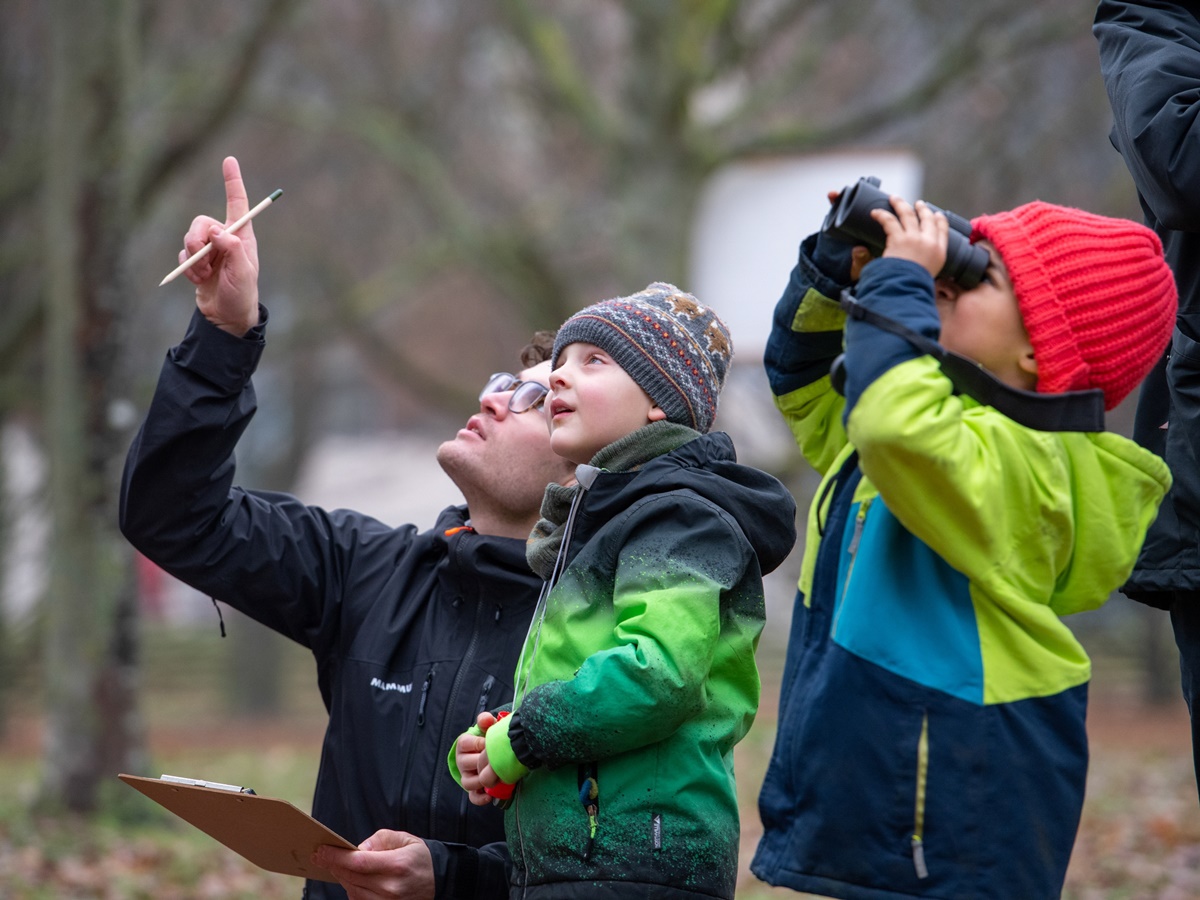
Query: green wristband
(500, 754)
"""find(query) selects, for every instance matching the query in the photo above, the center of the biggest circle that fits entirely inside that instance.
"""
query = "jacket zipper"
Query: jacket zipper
(484, 693)
(860, 520)
(424, 699)
(586, 476)
(412, 744)
(589, 797)
(918, 837)
(463, 666)
(480, 706)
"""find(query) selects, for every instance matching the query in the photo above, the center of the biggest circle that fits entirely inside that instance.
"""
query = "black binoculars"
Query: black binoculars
(850, 220)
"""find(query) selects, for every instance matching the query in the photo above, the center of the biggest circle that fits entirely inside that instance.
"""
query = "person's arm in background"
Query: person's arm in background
(1150, 61)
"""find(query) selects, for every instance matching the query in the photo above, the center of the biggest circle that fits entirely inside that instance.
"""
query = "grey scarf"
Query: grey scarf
(622, 455)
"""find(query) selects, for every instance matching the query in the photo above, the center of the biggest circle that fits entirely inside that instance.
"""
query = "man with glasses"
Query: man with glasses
(413, 632)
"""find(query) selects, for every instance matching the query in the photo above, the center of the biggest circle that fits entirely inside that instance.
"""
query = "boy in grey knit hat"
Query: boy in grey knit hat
(675, 349)
(638, 674)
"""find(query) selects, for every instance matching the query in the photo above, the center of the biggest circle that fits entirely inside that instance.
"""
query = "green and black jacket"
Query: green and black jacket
(638, 677)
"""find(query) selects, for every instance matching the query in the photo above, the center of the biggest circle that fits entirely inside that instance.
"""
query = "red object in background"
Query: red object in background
(152, 587)
(503, 790)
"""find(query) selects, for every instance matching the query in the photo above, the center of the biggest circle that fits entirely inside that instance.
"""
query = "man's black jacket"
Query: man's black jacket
(413, 632)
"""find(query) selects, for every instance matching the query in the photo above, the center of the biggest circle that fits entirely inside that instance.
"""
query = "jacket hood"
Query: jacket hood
(760, 504)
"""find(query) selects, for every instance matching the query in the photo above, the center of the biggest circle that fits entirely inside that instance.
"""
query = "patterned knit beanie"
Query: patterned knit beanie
(1097, 298)
(674, 348)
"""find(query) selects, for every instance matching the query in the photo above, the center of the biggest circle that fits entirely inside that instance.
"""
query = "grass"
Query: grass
(154, 855)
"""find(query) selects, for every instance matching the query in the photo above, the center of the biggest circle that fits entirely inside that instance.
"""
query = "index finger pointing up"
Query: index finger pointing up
(236, 203)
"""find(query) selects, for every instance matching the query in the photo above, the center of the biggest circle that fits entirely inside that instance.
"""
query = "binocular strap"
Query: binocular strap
(1068, 411)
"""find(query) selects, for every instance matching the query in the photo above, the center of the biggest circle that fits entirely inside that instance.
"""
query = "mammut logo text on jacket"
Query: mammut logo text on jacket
(391, 686)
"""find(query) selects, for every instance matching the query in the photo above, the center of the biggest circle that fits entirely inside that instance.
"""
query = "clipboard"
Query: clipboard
(273, 834)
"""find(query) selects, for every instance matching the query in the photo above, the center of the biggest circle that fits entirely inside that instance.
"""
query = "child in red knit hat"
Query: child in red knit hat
(931, 736)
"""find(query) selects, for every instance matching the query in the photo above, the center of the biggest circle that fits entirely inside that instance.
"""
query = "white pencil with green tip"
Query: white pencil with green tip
(204, 251)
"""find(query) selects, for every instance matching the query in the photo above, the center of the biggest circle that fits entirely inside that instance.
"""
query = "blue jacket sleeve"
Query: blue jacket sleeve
(801, 348)
(900, 290)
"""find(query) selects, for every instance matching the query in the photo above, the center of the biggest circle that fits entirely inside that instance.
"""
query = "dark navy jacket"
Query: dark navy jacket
(413, 632)
(1150, 60)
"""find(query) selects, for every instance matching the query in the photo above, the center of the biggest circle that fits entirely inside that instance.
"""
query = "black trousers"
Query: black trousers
(1185, 620)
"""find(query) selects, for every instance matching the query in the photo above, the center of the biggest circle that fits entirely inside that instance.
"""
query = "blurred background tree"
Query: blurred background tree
(456, 175)
(80, 155)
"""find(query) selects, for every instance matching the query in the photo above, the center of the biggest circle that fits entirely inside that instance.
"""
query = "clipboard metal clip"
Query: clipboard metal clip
(196, 782)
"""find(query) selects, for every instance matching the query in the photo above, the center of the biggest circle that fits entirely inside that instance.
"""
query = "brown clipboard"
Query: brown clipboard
(273, 834)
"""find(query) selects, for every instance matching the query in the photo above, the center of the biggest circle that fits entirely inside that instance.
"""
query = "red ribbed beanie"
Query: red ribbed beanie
(1095, 293)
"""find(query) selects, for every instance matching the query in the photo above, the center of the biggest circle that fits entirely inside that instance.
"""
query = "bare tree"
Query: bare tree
(556, 151)
(96, 167)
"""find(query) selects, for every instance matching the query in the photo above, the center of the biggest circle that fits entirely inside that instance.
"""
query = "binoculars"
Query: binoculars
(850, 220)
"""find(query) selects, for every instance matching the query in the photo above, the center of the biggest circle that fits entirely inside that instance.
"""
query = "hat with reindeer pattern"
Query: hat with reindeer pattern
(676, 349)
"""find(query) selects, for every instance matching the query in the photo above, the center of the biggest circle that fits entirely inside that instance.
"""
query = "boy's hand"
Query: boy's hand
(915, 233)
(471, 757)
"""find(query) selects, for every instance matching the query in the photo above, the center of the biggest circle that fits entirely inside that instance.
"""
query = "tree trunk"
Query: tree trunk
(7, 669)
(92, 728)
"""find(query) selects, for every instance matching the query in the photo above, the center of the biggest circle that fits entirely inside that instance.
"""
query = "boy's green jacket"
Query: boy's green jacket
(931, 737)
(638, 677)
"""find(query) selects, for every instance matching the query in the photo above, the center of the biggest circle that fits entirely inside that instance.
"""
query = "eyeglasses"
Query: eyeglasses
(526, 395)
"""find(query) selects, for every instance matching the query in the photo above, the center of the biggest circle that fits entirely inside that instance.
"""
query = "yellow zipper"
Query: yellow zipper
(918, 838)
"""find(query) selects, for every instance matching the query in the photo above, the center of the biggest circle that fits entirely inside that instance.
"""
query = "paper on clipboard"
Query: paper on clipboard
(273, 834)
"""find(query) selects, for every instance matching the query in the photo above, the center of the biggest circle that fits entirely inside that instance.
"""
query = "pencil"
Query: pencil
(204, 251)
